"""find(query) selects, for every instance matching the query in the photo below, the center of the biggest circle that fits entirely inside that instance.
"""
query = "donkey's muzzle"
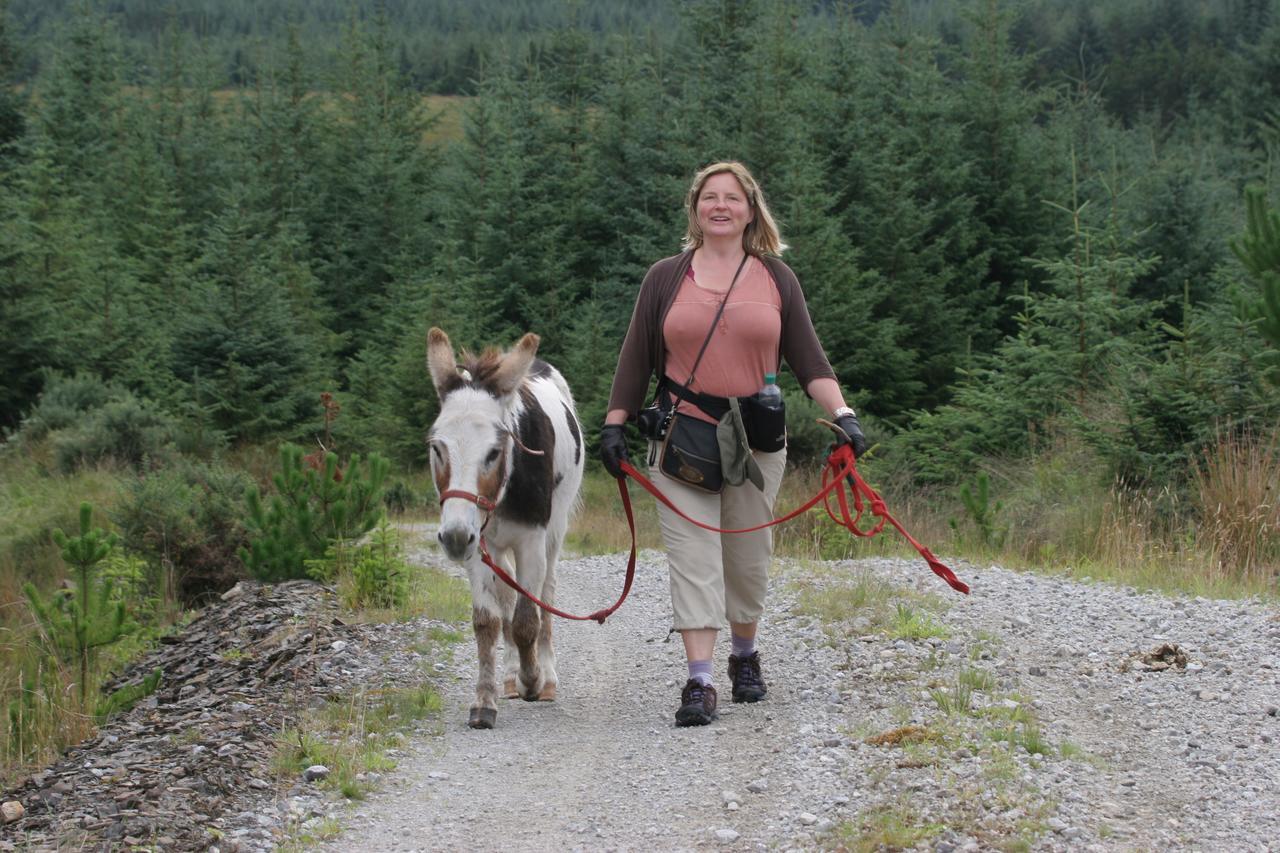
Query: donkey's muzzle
(457, 542)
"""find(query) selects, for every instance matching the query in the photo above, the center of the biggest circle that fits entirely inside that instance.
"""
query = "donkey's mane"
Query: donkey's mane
(479, 371)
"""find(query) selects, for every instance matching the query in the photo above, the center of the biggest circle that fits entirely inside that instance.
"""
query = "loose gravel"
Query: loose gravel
(1039, 712)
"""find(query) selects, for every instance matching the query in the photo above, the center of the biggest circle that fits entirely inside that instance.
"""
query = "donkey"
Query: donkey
(507, 458)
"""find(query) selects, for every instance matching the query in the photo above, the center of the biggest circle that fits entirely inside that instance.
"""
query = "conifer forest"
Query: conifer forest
(1039, 239)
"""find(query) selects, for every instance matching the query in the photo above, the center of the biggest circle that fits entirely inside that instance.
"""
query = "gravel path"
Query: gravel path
(1059, 737)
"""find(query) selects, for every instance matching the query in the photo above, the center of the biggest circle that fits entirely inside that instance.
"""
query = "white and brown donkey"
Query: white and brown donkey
(507, 458)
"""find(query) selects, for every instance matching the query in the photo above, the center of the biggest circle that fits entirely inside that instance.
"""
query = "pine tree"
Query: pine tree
(902, 183)
(88, 616)
(998, 114)
(240, 349)
(12, 102)
(1259, 253)
(317, 503)
(372, 209)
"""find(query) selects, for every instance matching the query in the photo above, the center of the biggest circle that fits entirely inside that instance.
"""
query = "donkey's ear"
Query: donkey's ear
(515, 364)
(440, 361)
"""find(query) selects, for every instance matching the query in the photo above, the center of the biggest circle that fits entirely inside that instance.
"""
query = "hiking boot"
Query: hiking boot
(744, 674)
(697, 704)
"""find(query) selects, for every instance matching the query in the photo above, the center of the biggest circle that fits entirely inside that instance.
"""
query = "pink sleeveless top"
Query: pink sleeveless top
(744, 346)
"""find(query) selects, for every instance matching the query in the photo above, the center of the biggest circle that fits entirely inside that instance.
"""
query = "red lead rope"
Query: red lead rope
(839, 471)
(599, 615)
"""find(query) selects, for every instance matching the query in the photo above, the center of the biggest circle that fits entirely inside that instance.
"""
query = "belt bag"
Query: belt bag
(691, 454)
(766, 425)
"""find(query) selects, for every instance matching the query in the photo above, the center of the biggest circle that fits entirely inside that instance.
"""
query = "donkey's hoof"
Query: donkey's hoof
(510, 690)
(548, 693)
(483, 718)
(530, 689)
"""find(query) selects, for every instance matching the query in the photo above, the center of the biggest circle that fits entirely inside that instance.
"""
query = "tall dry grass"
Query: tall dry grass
(1237, 491)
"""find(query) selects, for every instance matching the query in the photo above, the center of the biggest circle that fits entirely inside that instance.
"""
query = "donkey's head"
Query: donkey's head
(471, 440)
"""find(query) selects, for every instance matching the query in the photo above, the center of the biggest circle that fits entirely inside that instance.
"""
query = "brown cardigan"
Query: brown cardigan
(643, 354)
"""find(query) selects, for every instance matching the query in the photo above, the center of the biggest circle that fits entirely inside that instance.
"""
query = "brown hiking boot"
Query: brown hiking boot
(747, 680)
(697, 704)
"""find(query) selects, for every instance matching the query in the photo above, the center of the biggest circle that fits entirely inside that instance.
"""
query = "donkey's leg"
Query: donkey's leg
(526, 624)
(511, 661)
(510, 656)
(546, 651)
(486, 621)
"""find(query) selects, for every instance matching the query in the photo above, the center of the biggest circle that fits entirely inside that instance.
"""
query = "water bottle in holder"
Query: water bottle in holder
(766, 417)
(770, 396)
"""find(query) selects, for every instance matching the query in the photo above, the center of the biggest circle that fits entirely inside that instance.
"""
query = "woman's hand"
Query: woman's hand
(613, 448)
(849, 424)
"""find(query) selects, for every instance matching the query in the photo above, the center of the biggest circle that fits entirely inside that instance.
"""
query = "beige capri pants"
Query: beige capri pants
(719, 578)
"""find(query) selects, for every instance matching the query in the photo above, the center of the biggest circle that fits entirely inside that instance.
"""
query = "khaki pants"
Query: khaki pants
(718, 578)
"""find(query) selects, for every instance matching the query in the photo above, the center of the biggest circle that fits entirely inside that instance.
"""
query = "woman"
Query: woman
(730, 247)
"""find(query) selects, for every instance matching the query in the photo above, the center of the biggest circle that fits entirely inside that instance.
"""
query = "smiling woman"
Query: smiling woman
(714, 323)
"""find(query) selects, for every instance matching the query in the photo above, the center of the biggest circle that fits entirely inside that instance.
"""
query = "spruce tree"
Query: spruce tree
(12, 101)
(240, 349)
(1259, 253)
(902, 178)
(372, 208)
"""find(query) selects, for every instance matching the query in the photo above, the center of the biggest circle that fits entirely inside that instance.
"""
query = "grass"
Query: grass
(911, 623)
(600, 527)
(351, 736)
(886, 827)
(428, 591)
(977, 679)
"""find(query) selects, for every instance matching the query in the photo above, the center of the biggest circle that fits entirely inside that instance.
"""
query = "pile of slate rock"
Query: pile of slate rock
(183, 767)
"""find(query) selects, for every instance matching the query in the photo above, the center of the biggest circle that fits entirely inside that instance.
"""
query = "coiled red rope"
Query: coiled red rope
(839, 475)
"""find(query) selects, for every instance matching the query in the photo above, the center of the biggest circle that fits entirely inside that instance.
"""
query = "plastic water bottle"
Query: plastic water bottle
(770, 395)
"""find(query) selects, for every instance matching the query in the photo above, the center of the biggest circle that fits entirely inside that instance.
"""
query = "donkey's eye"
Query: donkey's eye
(436, 451)
(492, 457)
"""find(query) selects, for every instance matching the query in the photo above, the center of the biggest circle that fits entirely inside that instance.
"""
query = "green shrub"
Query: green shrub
(400, 497)
(126, 430)
(64, 402)
(317, 503)
(188, 522)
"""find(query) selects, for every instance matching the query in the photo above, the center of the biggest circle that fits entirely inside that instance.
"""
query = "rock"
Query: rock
(758, 786)
(315, 772)
(808, 818)
(727, 797)
(1057, 824)
(12, 810)
(726, 836)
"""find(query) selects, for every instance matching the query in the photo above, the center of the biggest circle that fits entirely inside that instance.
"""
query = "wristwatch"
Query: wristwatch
(842, 411)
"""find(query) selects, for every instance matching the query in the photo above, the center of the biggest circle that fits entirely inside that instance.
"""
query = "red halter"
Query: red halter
(479, 500)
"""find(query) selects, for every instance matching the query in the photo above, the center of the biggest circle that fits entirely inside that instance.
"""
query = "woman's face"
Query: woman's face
(723, 209)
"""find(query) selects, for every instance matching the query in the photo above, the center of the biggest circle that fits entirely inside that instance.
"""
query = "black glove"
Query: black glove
(849, 423)
(613, 448)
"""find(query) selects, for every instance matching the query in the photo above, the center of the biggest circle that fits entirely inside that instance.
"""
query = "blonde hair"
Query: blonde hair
(761, 236)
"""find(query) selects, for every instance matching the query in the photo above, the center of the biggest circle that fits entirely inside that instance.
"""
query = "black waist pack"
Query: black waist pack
(766, 425)
(691, 454)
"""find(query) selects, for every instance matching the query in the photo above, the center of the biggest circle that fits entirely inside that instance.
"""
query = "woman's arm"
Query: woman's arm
(826, 393)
